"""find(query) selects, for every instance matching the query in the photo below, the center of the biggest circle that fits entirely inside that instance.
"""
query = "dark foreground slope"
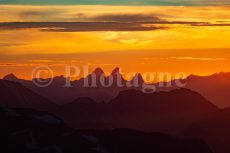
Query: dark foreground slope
(30, 131)
(214, 130)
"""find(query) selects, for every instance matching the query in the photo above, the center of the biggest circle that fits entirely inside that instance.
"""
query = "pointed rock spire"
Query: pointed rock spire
(116, 71)
(118, 80)
(98, 72)
(10, 77)
(138, 79)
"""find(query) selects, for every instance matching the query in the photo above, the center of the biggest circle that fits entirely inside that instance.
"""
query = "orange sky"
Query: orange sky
(197, 44)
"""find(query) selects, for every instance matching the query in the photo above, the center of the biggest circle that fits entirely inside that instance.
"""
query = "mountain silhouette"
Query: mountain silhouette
(214, 130)
(31, 131)
(214, 88)
(90, 86)
(13, 94)
(10, 77)
(99, 72)
(161, 112)
(173, 111)
(131, 141)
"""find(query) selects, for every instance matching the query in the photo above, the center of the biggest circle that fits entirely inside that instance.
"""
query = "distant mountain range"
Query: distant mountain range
(159, 111)
(59, 94)
(214, 88)
(181, 112)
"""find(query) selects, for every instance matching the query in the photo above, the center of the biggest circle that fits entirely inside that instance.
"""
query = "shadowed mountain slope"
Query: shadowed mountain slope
(214, 130)
(214, 88)
(163, 111)
(13, 94)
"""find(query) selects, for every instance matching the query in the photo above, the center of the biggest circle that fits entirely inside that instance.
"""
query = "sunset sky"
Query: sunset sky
(190, 36)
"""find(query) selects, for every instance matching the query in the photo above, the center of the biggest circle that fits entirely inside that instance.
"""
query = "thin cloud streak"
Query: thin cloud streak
(198, 58)
(99, 26)
(77, 26)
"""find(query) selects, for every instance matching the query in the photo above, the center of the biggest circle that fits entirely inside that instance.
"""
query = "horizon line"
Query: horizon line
(118, 70)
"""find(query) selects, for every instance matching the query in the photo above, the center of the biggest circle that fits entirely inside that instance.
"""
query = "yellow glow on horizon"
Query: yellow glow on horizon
(195, 49)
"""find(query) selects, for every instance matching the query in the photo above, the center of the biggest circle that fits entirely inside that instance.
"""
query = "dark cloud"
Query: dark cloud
(215, 24)
(127, 18)
(77, 26)
(107, 22)
(142, 18)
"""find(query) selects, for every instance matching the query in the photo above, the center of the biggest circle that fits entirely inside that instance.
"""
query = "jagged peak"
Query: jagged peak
(138, 77)
(10, 77)
(98, 71)
(115, 71)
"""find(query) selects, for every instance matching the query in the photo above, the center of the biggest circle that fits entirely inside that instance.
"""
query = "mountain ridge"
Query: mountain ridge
(13, 94)
(135, 109)
(214, 87)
